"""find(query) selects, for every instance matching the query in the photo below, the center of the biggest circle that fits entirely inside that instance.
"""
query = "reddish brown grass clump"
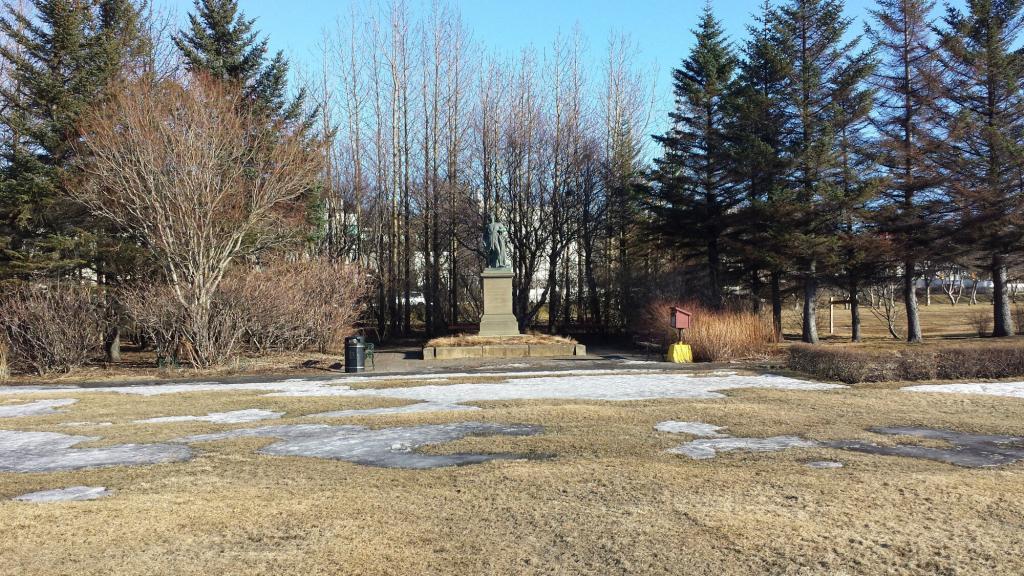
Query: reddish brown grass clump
(715, 335)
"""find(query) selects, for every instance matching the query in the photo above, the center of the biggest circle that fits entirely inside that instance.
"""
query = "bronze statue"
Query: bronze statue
(499, 253)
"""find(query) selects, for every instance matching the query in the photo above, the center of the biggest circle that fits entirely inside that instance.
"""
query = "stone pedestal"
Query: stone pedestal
(498, 319)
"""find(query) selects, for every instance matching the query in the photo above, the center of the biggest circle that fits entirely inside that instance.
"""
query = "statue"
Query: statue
(499, 252)
(498, 320)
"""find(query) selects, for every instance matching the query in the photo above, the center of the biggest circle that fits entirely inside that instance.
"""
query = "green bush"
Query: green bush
(854, 364)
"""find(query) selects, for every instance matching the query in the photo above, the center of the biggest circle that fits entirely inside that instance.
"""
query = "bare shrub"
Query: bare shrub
(199, 178)
(716, 336)
(156, 312)
(296, 305)
(981, 321)
(51, 328)
(274, 307)
(942, 361)
(843, 364)
(157, 315)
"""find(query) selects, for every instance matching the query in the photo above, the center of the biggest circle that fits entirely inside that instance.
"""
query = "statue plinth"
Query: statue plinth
(498, 319)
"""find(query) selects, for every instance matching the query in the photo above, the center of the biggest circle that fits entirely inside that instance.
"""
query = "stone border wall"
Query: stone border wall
(504, 351)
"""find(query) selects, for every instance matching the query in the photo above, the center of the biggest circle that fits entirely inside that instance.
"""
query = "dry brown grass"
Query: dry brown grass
(463, 340)
(610, 501)
(730, 335)
(140, 367)
(714, 335)
(940, 320)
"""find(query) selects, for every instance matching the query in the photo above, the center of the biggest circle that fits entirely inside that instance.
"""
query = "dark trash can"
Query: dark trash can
(355, 354)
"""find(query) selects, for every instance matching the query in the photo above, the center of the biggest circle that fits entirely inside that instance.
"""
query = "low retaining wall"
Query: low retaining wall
(504, 351)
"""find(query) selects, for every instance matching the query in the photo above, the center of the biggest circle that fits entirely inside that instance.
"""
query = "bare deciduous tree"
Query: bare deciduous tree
(887, 310)
(196, 178)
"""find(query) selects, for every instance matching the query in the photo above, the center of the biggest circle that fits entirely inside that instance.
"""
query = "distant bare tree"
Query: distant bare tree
(952, 278)
(887, 309)
(626, 112)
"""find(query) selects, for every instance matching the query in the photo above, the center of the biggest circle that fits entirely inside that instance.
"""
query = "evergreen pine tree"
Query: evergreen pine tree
(823, 66)
(63, 56)
(907, 93)
(862, 252)
(755, 129)
(219, 40)
(983, 157)
(693, 196)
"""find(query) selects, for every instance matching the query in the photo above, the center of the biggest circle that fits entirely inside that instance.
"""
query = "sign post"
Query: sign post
(679, 352)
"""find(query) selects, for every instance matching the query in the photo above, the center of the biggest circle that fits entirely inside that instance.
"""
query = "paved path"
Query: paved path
(401, 361)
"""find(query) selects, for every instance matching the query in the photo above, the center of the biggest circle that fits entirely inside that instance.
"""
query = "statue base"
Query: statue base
(498, 319)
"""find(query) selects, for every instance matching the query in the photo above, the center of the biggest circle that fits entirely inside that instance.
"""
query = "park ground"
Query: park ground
(595, 492)
(940, 322)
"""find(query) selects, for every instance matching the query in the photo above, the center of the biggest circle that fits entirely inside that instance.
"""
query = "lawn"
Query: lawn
(939, 320)
(595, 492)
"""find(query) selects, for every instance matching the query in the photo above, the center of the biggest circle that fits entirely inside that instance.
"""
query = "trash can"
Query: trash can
(355, 354)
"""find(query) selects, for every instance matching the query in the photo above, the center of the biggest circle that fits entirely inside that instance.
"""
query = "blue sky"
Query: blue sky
(661, 28)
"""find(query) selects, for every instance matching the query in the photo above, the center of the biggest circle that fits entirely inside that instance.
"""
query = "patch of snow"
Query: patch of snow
(410, 409)
(40, 408)
(611, 387)
(295, 386)
(709, 448)
(969, 450)
(1008, 389)
(52, 451)
(236, 417)
(388, 447)
(599, 385)
(824, 465)
(73, 494)
(692, 428)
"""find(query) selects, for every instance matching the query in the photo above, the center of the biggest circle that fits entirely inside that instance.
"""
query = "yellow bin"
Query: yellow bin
(680, 354)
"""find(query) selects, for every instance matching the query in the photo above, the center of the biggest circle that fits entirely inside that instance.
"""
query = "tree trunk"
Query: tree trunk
(554, 297)
(810, 327)
(199, 344)
(429, 296)
(593, 294)
(5, 369)
(714, 276)
(855, 312)
(776, 281)
(112, 345)
(910, 302)
(625, 276)
(1003, 324)
(756, 288)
